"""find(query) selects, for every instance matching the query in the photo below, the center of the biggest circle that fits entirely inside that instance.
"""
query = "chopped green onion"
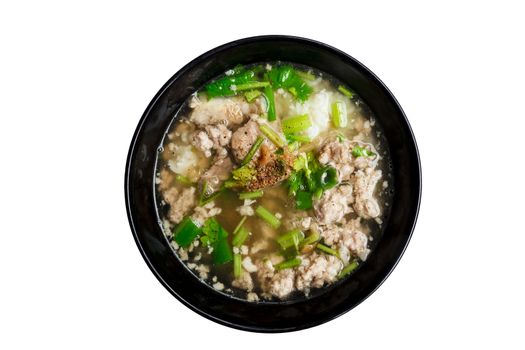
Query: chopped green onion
(211, 197)
(295, 124)
(359, 151)
(290, 239)
(240, 237)
(339, 116)
(311, 239)
(295, 137)
(237, 267)
(327, 250)
(186, 232)
(345, 91)
(271, 135)
(255, 147)
(252, 95)
(251, 85)
(328, 178)
(239, 225)
(306, 75)
(231, 184)
(267, 216)
(348, 269)
(288, 264)
(204, 192)
(270, 101)
(222, 252)
(183, 180)
(251, 195)
(303, 200)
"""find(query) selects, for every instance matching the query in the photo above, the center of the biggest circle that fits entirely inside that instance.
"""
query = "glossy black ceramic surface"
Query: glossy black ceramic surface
(271, 317)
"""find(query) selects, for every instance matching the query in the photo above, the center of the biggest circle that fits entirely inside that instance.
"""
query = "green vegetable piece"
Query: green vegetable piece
(239, 225)
(251, 195)
(186, 232)
(327, 250)
(295, 124)
(339, 115)
(223, 86)
(359, 151)
(328, 178)
(303, 200)
(243, 175)
(286, 77)
(267, 216)
(270, 101)
(288, 264)
(240, 237)
(255, 147)
(297, 138)
(183, 180)
(273, 136)
(347, 92)
(314, 237)
(222, 253)
(251, 85)
(205, 197)
(290, 239)
(348, 269)
(306, 75)
(252, 95)
(210, 231)
(237, 266)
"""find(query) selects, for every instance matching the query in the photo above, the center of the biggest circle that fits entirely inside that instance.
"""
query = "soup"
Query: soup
(273, 182)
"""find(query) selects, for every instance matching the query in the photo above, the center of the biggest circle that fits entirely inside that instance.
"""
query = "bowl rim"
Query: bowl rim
(162, 90)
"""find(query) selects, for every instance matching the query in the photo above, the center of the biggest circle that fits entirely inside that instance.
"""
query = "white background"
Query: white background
(75, 78)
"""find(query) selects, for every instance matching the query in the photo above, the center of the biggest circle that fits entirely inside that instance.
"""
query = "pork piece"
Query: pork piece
(365, 181)
(348, 237)
(218, 173)
(213, 137)
(229, 111)
(243, 139)
(334, 204)
(201, 214)
(275, 283)
(339, 155)
(165, 179)
(180, 202)
(244, 282)
(317, 270)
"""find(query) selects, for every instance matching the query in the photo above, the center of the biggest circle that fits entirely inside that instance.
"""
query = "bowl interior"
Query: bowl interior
(272, 317)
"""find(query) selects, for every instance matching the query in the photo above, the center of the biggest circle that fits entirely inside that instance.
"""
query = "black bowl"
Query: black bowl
(272, 317)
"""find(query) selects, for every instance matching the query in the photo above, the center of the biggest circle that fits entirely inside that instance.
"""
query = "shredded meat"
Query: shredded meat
(218, 172)
(243, 139)
(230, 111)
(317, 270)
(212, 137)
(244, 282)
(180, 202)
(366, 204)
(334, 204)
(347, 237)
(339, 155)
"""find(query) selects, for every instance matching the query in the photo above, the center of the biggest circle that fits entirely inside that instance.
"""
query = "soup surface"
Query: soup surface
(273, 182)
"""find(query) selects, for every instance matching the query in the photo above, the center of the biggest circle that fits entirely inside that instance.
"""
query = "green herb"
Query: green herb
(314, 237)
(251, 85)
(345, 91)
(270, 101)
(223, 86)
(255, 147)
(252, 95)
(341, 138)
(288, 264)
(251, 195)
(327, 250)
(183, 180)
(348, 269)
(267, 216)
(237, 267)
(295, 124)
(271, 135)
(303, 200)
(327, 178)
(239, 225)
(359, 151)
(222, 252)
(339, 116)
(186, 232)
(286, 77)
(240, 237)
(210, 231)
(243, 175)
